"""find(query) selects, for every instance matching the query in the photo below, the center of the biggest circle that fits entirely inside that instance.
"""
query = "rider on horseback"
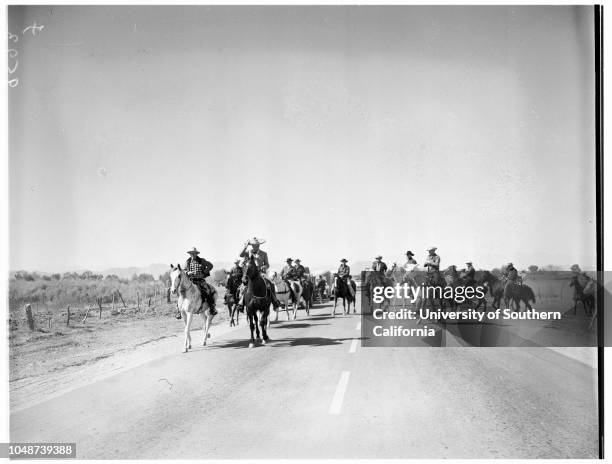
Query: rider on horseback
(261, 260)
(510, 275)
(234, 280)
(410, 267)
(432, 263)
(289, 274)
(379, 265)
(198, 269)
(236, 272)
(344, 273)
(469, 278)
(299, 270)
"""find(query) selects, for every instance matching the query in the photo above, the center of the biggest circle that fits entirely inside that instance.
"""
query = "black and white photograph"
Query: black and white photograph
(304, 232)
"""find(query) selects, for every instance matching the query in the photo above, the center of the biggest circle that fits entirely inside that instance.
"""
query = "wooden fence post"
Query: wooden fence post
(119, 293)
(28, 311)
(100, 306)
(86, 314)
(68, 319)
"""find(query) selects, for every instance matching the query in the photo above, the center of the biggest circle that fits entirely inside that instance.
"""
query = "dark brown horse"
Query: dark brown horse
(495, 286)
(257, 301)
(232, 296)
(307, 293)
(583, 293)
(511, 293)
(341, 290)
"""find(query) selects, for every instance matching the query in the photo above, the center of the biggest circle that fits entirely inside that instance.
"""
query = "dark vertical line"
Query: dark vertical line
(598, 16)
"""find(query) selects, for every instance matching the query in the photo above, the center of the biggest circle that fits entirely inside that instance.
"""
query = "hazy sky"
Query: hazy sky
(139, 132)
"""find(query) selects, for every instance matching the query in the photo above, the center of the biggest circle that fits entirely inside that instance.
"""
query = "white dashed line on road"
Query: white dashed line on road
(353, 347)
(336, 404)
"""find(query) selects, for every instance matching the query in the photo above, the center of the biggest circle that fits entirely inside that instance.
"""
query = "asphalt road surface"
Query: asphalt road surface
(314, 392)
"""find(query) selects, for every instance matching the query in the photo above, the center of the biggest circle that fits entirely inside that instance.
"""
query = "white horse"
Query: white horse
(189, 301)
(284, 295)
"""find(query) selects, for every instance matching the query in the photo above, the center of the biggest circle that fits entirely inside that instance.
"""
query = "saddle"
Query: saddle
(282, 287)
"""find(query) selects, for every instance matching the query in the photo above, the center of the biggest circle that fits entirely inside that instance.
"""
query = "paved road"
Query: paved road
(314, 392)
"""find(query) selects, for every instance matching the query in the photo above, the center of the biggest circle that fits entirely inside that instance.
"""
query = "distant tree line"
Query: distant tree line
(85, 275)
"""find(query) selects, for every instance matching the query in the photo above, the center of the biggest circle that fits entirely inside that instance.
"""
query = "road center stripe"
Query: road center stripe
(353, 347)
(336, 404)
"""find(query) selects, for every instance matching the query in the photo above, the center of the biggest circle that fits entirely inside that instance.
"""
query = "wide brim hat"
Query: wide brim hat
(468, 262)
(343, 260)
(298, 260)
(194, 250)
(256, 241)
(510, 264)
(378, 257)
(432, 248)
(289, 260)
(409, 253)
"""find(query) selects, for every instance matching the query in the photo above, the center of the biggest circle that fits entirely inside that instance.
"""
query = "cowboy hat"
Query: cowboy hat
(289, 260)
(468, 262)
(510, 264)
(343, 260)
(378, 257)
(256, 241)
(432, 248)
(298, 260)
(194, 250)
(409, 253)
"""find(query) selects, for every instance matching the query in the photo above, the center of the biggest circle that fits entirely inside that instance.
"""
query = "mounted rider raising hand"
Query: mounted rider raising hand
(261, 260)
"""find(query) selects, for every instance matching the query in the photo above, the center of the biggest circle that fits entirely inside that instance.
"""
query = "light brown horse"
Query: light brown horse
(189, 302)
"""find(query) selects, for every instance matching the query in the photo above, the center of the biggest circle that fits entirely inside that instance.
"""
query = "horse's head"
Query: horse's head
(251, 271)
(175, 277)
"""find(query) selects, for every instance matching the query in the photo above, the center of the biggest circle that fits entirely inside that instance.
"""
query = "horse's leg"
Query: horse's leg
(231, 314)
(207, 321)
(263, 321)
(344, 306)
(257, 327)
(296, 305)
(188, 317)
(335, 302)
(184, 318)
(252, 327)
(276, 311)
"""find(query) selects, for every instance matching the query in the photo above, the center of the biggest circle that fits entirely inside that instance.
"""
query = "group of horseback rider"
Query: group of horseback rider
(293, 271)
(198, 269)
(510, 274)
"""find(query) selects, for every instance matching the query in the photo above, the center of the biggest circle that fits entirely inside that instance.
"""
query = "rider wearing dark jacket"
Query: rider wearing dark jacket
(298, 270)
